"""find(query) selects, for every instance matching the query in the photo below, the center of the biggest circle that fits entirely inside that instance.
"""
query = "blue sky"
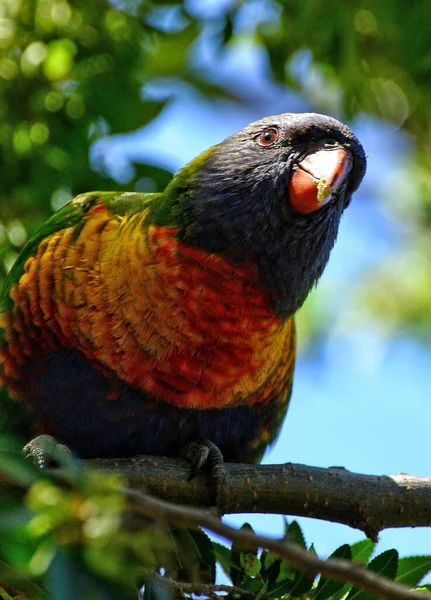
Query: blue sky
(363, 400)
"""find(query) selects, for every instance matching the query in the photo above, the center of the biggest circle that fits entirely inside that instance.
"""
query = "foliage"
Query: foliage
(273, 577)
(76, 537)
(71, 74)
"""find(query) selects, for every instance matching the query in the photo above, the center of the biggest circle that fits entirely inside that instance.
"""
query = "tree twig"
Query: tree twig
(201, 589)
(341, 570)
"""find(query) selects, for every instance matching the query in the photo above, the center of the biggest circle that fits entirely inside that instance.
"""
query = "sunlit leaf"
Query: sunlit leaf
(412, 569)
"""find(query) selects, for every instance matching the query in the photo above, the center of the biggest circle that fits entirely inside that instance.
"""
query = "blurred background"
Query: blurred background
(118, 95)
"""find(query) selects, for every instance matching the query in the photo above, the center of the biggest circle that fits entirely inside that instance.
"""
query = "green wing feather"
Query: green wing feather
(163, 211)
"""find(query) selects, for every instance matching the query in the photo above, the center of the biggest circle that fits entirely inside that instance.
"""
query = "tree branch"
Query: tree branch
(341, 570)
(370, 503)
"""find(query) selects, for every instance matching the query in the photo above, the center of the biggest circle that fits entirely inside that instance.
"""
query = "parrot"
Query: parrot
(137, 323)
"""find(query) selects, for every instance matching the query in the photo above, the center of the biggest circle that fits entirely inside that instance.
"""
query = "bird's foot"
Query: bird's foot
(205, 453)
(46, 452)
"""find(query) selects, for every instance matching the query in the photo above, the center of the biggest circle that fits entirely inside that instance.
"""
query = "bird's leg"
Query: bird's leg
(46, 452)
(204, 453)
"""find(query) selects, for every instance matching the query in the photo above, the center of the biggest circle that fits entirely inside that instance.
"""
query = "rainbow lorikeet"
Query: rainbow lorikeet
(137, 323)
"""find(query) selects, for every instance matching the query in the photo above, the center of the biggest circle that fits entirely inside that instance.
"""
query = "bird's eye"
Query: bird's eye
(268, 137)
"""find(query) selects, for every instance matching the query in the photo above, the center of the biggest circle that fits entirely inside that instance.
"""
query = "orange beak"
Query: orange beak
(317, 177)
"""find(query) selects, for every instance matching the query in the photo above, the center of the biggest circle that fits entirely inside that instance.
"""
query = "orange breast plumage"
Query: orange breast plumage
(169, 319)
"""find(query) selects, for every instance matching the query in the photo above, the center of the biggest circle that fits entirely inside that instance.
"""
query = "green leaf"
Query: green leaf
(280, 589)
(171, 52)
(268, 559)
(19, 469)
(287, 571)
(385, 564)
(293, 533)
(292, 580)
(59, 59)
(302, 584)
(289, 579)
(14, 578)
(250, 564)
(252, 585)
(236, 570)
(223, 557)
(271, 565)
(412, 569)
(248, 527)
(195, 559)
(362, 551)
(327, 587)
(227, 29)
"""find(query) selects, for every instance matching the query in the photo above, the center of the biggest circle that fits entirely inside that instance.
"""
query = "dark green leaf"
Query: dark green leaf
(312, 550)
(293, 533)
(13, 578)
(271, 566)
(223, 557)
(385, 564)
(301, 584)
(280, 589)
(361, 552)
(195, 559)
(151, 109)
(252, 585)
(327, 587)
(227, 29)
(287, 571)
(271, 573)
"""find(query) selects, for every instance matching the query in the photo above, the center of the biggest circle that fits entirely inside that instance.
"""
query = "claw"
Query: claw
(197, 454)
(46, 452)
(206, 453)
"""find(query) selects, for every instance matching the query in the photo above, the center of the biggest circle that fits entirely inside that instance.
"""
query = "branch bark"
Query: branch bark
(370, 503)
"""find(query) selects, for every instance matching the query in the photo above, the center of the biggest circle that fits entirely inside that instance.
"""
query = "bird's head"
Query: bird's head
(273, 194)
